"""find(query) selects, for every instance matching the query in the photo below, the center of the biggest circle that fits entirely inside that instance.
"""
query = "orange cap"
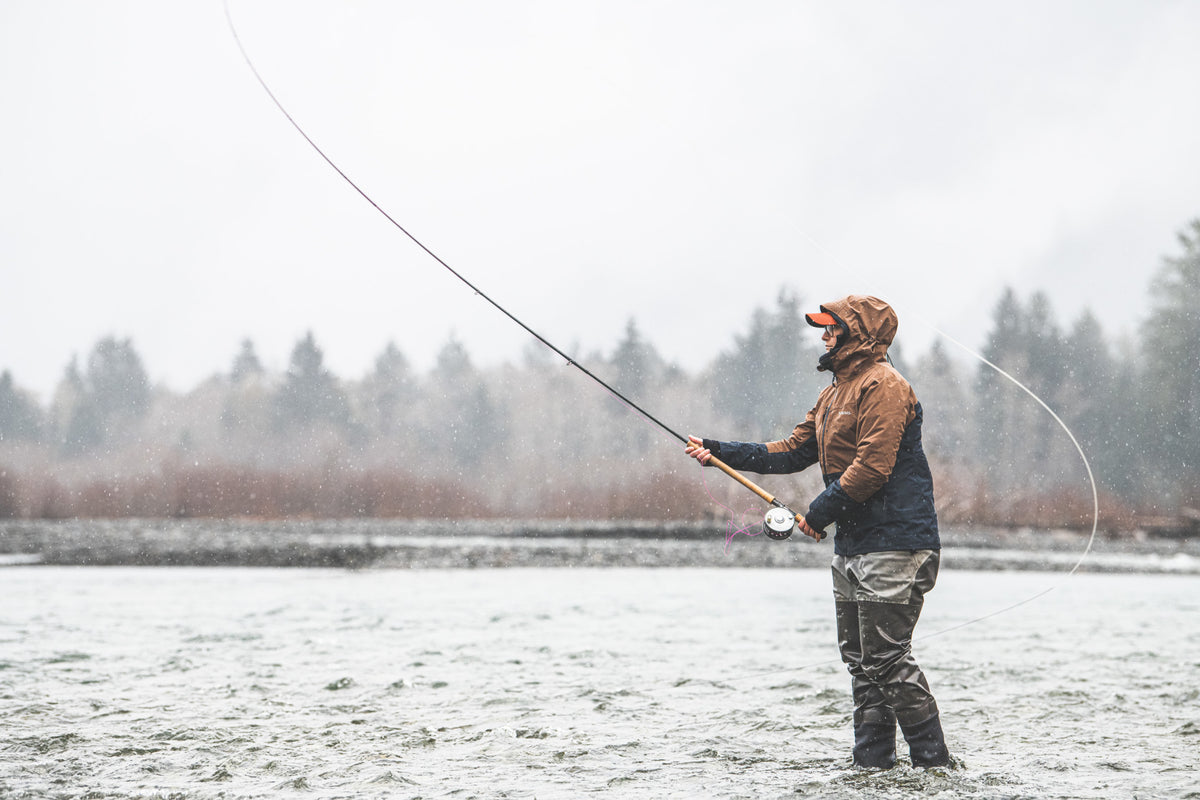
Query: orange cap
(821, 319)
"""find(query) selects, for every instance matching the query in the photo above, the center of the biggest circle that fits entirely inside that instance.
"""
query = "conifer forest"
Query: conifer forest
(535, 439)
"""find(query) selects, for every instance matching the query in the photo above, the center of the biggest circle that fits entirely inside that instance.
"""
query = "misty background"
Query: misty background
(537, 438)
(194, 302)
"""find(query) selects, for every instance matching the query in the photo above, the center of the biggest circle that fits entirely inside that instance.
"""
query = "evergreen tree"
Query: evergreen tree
(1103, 428)
(1045, 374)
(1127, 462)
(390, 390)
(635, 363)
(103, 405)
(116, 381)
(1171, 353)
(556, 414)
(1008, 330)
(453, 364)
(309, 394)
(1007, 418)
(20, 417)
(246, 366)
(247, 409)
(637, 369)
(793, 349)
(468, 420)
(737, 383)
(769, 381)
(74, 429)
(938, 382)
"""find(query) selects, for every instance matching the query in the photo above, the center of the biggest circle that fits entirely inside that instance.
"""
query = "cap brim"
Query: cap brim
(820, 320)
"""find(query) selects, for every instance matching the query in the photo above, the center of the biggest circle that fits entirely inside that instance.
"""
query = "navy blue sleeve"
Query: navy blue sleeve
(754, 457)
(829, 506)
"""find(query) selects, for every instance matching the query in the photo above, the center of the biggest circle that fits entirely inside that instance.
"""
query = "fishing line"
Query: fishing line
(735, 524)
(1079, 562)
(780, 514)
(645, 414)
(1078, 447)
(570, 361)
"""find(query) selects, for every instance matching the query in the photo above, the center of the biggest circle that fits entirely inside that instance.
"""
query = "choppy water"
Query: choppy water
(548, 683)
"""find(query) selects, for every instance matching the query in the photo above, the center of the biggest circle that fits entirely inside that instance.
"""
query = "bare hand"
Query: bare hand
(807, 529)
(696, 449)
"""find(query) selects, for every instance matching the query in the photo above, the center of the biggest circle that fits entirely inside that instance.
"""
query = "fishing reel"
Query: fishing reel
(779, 523)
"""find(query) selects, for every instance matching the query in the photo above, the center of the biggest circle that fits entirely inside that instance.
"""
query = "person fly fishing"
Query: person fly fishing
(865, 432)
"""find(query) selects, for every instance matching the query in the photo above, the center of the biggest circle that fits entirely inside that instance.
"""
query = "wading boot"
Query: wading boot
(926, 743)
(875, 745)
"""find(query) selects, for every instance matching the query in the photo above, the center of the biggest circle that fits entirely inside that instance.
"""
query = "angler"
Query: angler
(865, 432)
(879, 494)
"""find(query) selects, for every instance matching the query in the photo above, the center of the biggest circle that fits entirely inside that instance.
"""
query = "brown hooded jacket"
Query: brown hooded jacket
(858, 421)
(865, 432)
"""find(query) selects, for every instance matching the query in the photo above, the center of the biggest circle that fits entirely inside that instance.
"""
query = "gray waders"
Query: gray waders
(878, 597)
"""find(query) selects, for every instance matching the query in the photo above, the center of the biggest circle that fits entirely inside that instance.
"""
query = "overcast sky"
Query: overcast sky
(583, 163)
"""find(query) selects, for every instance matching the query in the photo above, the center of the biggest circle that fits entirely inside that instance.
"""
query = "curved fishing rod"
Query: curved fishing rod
(1078, 447)
(783, 524)
(1004, 609)
(779, 522)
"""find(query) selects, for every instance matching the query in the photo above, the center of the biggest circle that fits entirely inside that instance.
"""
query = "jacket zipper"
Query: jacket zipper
(825, 430)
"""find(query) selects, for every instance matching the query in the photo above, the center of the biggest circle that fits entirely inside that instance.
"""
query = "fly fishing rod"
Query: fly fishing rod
(779, 521)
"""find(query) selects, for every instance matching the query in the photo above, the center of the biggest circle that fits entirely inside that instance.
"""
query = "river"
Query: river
(223, 682)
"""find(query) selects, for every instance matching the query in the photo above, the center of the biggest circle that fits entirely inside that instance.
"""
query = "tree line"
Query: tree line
(537, 439)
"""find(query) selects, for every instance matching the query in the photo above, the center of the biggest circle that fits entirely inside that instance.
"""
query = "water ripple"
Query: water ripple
(561, 683)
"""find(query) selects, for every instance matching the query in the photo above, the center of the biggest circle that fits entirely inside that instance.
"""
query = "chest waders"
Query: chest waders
(878, 599)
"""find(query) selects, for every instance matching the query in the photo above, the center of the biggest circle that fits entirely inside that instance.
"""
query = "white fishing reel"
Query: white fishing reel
(779, 522)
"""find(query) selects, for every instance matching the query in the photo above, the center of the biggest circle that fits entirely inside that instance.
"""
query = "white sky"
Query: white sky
(582, 162)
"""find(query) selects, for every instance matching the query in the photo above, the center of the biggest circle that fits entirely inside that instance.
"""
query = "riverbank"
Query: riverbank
(437, 544)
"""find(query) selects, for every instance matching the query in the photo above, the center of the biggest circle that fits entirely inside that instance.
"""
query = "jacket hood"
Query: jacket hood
(870, 325)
